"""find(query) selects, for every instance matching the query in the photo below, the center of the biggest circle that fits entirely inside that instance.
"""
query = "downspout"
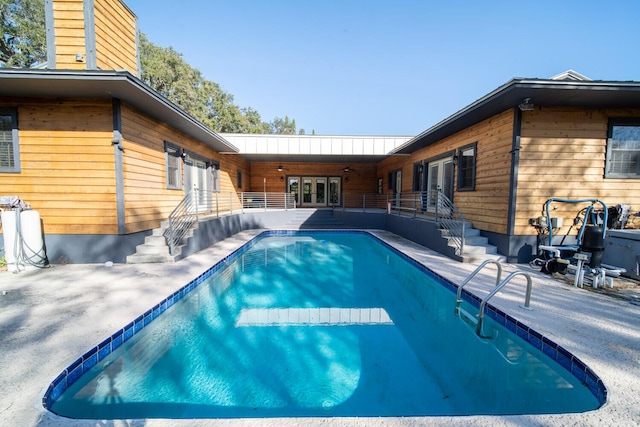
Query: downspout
(117, 154)
(513, 180)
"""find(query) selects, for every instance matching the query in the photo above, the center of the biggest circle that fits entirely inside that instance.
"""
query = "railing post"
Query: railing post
(364, 202)
(285, 201)
(242, 202)
(265, 201)
(217, 205)
(196, 193)
(437, 206)
(415, 204)
(171, 243)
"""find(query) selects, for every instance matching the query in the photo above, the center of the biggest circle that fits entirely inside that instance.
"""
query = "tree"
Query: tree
(283, 126)
(23, 43)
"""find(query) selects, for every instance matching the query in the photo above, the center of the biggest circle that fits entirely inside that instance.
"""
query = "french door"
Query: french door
(314, 191)
(196, 176)
(439, 177)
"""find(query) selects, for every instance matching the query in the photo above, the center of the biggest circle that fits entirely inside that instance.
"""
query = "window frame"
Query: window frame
(632, 122)
(173, 151)
(15, 141)
(459, 165)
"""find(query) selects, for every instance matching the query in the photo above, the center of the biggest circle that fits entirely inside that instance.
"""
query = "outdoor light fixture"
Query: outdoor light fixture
(346, 179)
(280, 168)
(281, 178)
(526, 105)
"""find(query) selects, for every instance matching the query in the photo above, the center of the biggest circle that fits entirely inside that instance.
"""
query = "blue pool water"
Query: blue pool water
(320, 324)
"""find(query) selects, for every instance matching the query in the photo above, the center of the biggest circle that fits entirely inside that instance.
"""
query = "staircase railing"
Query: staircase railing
(450, 219)
(182, 219)
(200, 202)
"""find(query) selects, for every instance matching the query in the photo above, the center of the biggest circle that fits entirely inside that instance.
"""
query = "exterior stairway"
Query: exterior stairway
(476, 247)
(155, 248)
(314, 219)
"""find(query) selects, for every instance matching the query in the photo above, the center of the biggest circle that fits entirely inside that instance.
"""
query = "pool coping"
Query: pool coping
(96, 354)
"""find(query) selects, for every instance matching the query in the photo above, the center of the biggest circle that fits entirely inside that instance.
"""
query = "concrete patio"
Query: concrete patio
(50, 317)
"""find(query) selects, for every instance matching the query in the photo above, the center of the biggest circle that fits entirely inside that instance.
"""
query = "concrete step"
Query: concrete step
(155, 240)
(138, 258)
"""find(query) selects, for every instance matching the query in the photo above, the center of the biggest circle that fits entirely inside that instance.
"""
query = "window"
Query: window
(215, 176)
(417, 174)
(467, 168)
(623, 149)
(173, 161)
(239, 179)
(9, 148)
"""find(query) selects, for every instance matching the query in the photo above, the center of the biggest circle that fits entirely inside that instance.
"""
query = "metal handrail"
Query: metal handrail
(201, 202)
(527, 298)
(471, 276)
(181, 219)
(449, 217)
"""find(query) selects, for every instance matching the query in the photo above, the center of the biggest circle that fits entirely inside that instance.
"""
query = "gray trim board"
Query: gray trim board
(117, 153)
(50, 33)
(90, 35)
(515, 162)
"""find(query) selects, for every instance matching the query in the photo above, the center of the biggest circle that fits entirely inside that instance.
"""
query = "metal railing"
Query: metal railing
(450, 219)
(431, 205)
(181, 219)
(199, 203)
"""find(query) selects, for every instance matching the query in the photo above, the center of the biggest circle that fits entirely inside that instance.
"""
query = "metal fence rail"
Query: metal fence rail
(199, 203)
(432, 205)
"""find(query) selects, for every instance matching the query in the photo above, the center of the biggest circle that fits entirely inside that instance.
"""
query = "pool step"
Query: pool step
(314, 219)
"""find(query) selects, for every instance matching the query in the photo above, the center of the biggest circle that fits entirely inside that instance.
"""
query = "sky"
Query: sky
(388, 67)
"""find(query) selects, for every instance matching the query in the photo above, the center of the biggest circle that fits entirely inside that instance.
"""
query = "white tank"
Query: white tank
(23, 242)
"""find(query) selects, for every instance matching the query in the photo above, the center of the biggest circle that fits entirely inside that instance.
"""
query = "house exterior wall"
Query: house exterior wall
(562, 155)
(487, 205)
(102, 32)
(147, 201)
(67, 166)
(115, 35)
(69, 33)
(361, 180)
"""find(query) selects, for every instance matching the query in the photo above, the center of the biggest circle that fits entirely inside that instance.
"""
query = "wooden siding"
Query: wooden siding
(115, 33)
(562, 155)
(362, 179)
(69, 34)
(66, 157)
(487, 206)
(147, 200)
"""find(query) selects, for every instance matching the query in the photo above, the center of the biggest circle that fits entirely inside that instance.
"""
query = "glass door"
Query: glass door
(294, 184)
(440, 177)
(195, 178)
(314, 191)
(334, 191)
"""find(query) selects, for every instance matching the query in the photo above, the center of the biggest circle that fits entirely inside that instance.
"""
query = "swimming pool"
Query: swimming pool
(320, 324)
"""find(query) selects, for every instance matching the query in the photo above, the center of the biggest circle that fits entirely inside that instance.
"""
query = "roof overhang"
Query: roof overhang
(108, 84)
(546, 93)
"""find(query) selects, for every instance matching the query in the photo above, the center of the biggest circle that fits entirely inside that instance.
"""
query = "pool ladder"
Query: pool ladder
(499, 285)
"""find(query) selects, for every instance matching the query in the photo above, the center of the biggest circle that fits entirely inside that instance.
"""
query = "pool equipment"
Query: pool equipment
(583, 259)
(23, 238)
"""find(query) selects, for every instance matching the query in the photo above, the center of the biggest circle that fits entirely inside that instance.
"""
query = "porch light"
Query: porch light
(526, 105)
(280, 168)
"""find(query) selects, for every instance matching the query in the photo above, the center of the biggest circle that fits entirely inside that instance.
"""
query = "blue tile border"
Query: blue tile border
(91, 358)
